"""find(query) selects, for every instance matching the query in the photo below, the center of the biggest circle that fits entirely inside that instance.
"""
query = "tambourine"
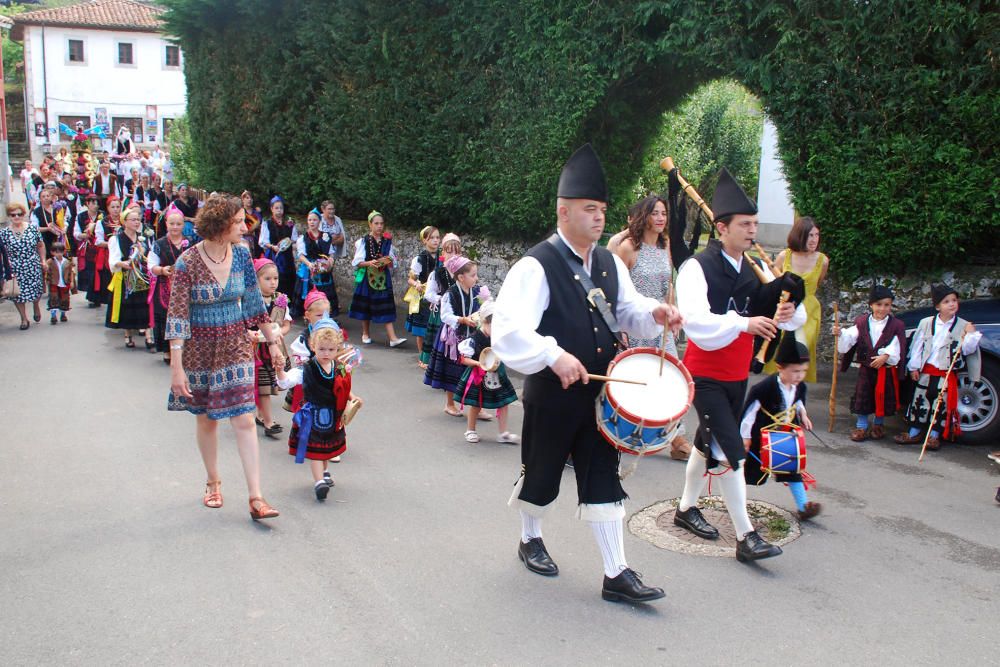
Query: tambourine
(284, 244)
(488, 360)
(351, 409)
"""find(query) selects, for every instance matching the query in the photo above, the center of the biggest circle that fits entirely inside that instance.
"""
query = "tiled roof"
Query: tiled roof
(101, 14)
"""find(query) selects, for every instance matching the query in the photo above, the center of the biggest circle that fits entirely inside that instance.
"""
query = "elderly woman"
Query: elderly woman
(645, 250)
(214, 302)
(802, 256)
(25, 252)
(127, 250)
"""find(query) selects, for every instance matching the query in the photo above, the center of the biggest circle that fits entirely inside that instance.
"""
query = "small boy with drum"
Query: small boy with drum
(775, 411)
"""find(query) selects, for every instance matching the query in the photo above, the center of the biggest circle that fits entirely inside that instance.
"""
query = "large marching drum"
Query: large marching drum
(643, 418)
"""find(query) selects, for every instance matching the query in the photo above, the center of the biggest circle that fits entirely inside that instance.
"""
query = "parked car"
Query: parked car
(978, 402)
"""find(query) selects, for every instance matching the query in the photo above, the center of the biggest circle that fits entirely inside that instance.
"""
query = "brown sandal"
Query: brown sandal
(259, 509)
(213, 498)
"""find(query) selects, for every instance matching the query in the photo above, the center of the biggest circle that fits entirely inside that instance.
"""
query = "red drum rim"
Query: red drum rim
(668, 358)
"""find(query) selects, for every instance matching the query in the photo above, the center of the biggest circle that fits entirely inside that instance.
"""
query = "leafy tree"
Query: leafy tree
(460, 113)
(719, 124)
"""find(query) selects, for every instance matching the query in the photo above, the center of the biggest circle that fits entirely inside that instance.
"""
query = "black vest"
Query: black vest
(570, 319)
(729, 290)
(427, 262)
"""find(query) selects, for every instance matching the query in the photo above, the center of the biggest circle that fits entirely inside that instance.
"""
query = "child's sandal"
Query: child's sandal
(471, 437)
(213, 494)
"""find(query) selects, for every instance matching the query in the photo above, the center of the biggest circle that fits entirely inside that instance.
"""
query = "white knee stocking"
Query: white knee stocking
(531, 527)
(694, 480)
(612, 545)
(734, 492)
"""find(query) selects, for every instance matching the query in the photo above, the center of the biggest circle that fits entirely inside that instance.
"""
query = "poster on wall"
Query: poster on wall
(41, 126)
(101, 119)
(150, 112)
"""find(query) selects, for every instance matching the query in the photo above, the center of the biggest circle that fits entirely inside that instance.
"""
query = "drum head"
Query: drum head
(488, 359)
(351, 409)
(665, 397)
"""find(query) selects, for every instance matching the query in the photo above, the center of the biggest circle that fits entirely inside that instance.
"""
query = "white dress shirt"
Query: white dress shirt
(942, 339)
(849, 337)
(523, 299)
(708, 330)
(750, 416)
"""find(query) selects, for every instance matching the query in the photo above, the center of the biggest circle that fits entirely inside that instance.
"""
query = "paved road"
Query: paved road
(109, 558)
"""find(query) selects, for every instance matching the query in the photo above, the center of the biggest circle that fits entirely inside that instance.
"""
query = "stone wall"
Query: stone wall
(496, 256)
(911, 291)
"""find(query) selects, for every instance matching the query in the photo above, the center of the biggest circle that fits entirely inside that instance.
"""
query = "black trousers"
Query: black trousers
(720, 407)
(558, 423)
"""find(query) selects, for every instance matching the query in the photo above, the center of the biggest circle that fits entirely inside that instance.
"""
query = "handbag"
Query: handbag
(11, 289)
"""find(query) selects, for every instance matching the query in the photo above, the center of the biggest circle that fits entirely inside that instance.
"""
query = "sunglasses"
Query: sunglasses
(19, 214)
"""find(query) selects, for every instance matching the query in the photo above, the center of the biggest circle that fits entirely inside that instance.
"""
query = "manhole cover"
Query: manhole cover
(655, 524)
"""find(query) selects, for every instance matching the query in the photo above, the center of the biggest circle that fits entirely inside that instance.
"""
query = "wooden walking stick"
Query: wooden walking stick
(836, 363)
(942, 388)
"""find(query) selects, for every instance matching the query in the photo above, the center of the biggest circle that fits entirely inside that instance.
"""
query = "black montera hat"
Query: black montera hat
(940, 291)
(582, 176)
(880, 292)
(729, 198)
(791, 351)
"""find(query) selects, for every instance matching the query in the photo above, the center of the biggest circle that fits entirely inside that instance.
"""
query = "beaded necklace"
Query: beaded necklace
(373, 247)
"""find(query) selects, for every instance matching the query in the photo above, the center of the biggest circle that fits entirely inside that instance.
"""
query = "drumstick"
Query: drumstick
(606, 378)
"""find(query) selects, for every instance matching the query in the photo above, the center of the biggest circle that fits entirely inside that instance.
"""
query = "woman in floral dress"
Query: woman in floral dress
(25, 252)
(646, 253)
(214, 301)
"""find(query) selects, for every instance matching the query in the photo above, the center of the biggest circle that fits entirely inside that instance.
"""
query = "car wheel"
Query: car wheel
(979, 404)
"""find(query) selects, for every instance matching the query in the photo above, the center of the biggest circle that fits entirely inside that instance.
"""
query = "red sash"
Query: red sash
(952, 421)
(880, 388)
(100, 261)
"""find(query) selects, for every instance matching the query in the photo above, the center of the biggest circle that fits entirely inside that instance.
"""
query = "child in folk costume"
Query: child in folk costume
(373, 261)
(313, 252)
(317, 430)
(481, 387)
(457, 306)
(128, 308)
(277, 308)
(779, 399)
(277, 234)
(86, 252)
(317, 308)
(160, 261)
(439, 282)
(879, 341)
(61, 279)
(421, 268)
(938, 340)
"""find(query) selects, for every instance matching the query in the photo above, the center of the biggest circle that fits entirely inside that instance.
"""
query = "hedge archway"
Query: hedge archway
(461, 113)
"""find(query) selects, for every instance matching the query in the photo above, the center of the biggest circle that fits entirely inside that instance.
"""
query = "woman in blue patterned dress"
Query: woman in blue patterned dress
(214, 301)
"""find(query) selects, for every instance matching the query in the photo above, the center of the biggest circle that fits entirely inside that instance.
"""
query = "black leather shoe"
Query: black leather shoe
(627, 587)
(753, 547)
(536, 558)
(696, 523)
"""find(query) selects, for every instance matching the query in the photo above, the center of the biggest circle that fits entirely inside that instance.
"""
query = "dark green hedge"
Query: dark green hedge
(461, 112)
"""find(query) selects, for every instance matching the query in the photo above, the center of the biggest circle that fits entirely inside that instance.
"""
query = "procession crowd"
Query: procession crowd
(216, 285)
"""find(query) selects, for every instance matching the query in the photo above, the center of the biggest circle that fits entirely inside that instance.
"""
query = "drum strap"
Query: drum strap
(593, 295)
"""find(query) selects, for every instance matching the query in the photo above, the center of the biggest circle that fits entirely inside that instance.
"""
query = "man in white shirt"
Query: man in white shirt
(545, 327)
(725, 305)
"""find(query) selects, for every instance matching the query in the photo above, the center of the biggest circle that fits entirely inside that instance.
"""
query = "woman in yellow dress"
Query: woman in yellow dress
(802, 256)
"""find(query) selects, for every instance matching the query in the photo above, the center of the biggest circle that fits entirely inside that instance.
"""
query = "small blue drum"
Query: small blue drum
(643, 418)
(783, 450)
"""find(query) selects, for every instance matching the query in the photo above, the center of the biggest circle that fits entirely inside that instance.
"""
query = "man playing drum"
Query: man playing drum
(724, 306)
(557, 319)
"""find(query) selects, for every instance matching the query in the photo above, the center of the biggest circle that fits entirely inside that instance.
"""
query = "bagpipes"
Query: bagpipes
(791, 286)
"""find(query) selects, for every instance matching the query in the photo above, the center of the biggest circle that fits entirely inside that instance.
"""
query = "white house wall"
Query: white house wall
(77, 89)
